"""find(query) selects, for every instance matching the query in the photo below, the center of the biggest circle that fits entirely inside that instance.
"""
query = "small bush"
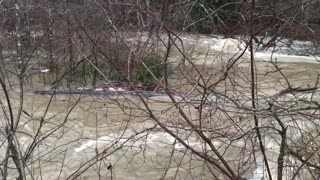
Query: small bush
(115, 76)
(87, 71)
(156, 65)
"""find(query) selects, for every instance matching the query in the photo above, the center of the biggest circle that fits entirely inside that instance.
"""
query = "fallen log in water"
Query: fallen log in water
(99, 93)
(156, 96)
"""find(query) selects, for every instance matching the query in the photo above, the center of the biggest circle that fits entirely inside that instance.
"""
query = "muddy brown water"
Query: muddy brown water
(95, 125)
(84, 129)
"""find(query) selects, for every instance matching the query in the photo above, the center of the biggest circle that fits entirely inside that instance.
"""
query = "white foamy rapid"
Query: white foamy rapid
(229, 45)
(153, 141)
(235, 47)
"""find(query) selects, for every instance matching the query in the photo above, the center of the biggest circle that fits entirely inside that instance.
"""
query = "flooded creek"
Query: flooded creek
(116, 137)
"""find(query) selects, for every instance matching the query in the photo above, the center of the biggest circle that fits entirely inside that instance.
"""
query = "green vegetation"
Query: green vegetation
(140, 74)
(87, 71)
(155, 64)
